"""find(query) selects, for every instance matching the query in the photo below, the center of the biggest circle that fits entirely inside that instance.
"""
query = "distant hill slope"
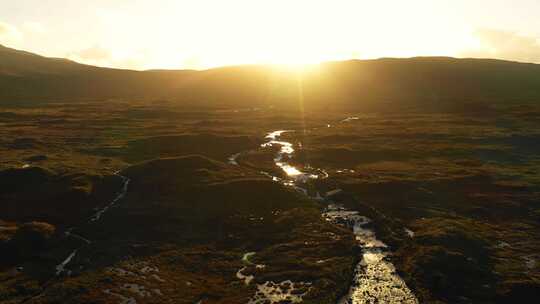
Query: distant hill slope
(28, 77)
(421, 81)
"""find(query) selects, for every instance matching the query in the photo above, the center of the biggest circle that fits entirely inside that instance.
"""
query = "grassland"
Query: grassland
(464, 182)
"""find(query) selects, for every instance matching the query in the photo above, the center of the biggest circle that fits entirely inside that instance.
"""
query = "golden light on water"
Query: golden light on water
(289, 170)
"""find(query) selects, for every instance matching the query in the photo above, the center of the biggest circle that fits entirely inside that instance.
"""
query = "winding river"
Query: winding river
(375, 279)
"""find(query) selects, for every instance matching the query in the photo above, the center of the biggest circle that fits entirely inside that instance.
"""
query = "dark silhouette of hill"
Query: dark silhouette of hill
(435, 82)
(28, 77)
(422, 81)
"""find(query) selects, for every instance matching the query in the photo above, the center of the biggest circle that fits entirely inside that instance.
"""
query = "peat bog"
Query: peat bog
(453, 194)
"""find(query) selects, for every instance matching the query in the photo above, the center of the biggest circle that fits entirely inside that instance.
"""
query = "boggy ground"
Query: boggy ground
(180, 233)
(464, 184)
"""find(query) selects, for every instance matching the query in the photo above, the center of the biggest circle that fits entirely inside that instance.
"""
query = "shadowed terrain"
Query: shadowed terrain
(422, 83)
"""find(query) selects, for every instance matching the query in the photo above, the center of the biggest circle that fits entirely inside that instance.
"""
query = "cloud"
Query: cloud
(103, 57)
(505, 45)
(95, 53)
(9, 34)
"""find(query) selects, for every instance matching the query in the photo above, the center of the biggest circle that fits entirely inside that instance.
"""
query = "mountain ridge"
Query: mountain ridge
(485, 59)
(27, 77)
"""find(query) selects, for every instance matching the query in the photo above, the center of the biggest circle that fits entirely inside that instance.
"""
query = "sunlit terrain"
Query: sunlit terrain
(269, 152)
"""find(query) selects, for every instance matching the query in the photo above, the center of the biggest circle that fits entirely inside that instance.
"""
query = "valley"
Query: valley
(206, 186)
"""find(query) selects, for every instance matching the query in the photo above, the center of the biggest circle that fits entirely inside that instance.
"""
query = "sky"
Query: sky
(199, 34)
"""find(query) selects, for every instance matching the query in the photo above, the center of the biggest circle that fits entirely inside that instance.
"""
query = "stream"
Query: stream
(62, 267)
(375, 278)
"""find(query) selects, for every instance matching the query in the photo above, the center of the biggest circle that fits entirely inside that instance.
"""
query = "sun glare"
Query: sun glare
(291, 34)
(294, 34)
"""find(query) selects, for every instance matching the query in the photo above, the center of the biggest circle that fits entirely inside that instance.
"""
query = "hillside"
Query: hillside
(28, 77)
(434, 82)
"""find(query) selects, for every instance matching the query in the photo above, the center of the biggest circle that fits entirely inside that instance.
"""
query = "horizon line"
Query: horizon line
(281, 65)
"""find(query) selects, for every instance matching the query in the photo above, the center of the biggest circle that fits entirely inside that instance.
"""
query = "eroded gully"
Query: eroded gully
(62, 267)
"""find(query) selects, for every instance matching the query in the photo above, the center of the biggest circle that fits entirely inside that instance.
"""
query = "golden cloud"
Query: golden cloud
(505, 45)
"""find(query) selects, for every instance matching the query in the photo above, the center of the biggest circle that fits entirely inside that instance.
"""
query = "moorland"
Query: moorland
(442, 154)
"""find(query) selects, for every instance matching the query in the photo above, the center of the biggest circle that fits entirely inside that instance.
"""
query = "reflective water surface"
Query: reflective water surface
(375, 279)
(271, 292)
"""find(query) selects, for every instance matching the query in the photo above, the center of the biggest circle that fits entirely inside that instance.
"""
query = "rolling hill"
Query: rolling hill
(418, 82)
(28, 77)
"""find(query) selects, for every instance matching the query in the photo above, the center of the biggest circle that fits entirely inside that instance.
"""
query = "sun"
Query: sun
(206, 34)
